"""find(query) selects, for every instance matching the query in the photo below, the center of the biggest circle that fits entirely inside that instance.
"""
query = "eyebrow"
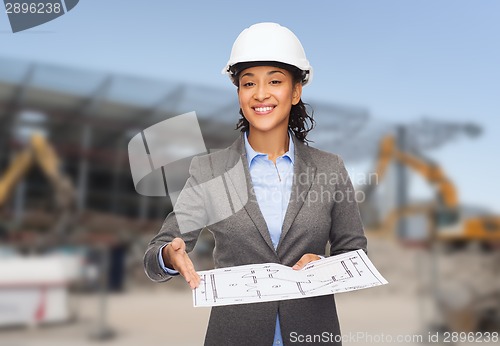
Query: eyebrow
(269, 73)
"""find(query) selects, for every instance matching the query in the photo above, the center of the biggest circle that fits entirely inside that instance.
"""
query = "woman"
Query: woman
(298, 198)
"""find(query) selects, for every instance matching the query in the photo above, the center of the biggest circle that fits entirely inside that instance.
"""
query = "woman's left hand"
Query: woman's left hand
(308, 257)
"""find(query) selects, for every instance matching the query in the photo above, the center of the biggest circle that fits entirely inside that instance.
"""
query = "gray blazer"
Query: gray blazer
(321, 209)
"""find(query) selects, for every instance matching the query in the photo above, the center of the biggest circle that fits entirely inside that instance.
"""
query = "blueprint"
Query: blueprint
(256, 283)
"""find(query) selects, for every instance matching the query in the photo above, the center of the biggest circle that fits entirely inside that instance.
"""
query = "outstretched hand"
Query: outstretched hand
(175, 257)
(308, 257)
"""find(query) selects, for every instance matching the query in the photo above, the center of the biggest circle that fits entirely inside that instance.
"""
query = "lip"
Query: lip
(263, 109)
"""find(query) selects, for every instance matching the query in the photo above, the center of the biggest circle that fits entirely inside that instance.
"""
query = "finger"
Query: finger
(186, 269)
(189, 276)
(190, 266)
(195, 278)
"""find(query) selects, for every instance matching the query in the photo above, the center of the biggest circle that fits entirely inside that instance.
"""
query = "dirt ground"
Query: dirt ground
(400, 313)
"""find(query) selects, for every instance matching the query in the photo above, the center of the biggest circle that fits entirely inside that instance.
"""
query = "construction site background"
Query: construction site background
(73, 229)
(76, 202)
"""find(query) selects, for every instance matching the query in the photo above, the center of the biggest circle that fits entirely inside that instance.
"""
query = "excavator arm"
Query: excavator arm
(17, 169)
(48, 161)
(445, 212)
(445, 215)
(39, 151)
(433, 174)
(430, 171)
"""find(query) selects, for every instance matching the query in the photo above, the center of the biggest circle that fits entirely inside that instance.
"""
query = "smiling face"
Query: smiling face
(266, 95)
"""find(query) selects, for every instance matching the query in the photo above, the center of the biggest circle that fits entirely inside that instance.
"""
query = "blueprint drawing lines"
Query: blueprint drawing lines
(272, 281)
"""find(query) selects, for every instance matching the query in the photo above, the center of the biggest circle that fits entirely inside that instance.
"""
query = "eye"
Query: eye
(275, 81)
(248, 84)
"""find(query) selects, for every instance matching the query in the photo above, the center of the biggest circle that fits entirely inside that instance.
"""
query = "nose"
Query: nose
(261, 92)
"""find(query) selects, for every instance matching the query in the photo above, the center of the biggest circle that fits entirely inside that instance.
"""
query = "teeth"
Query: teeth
(263, 109)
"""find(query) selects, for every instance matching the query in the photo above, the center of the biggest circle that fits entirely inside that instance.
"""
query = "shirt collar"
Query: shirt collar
(251, 154)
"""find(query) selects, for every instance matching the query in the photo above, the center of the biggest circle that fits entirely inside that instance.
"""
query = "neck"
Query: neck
(272, 143)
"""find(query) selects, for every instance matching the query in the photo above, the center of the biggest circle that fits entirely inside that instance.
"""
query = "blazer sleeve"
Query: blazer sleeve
(346, 233)
(185, 221)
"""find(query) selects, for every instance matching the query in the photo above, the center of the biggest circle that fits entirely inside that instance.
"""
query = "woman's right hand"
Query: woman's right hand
(175, 257)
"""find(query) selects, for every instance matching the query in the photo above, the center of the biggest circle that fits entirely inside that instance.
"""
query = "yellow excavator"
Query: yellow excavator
(445, 219)
(464, 288)
(40, 152)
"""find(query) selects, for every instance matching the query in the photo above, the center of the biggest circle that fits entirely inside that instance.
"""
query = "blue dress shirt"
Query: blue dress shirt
(272, 184)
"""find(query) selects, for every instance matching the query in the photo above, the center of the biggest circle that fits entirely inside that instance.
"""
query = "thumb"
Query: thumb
(301, 263)
(178, 245)
(305, 259)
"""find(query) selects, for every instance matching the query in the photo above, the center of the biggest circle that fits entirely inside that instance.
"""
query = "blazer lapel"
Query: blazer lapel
(303, 176)
(247, 198)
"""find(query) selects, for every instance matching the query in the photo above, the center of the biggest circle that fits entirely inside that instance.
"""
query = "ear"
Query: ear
(297, 93)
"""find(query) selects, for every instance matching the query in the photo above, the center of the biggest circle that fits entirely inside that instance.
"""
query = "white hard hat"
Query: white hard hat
(269, 42)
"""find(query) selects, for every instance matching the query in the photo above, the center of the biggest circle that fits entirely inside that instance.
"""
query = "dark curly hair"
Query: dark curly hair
(300, 121)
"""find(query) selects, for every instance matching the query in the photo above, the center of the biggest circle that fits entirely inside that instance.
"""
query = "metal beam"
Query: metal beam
(143, 118)
(83, 169)
(401, 182)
